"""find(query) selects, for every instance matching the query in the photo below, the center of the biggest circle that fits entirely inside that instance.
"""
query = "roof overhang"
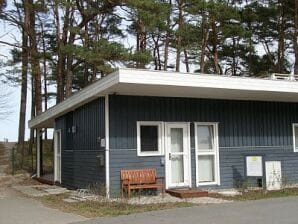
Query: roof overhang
(172, 84)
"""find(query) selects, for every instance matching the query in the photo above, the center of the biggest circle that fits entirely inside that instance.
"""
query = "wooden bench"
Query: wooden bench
(140, 179)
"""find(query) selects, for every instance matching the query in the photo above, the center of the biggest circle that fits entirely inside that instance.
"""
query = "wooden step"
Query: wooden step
(187, 193)
(46, 179)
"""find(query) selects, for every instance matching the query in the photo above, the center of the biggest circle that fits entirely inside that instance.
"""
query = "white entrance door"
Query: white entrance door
(57, 156)
(177, 155)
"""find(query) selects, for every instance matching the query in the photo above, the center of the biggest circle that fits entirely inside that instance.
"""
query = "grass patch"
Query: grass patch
(91, 209)
(261, 194)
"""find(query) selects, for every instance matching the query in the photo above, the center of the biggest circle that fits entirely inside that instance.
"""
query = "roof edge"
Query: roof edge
(79, 98)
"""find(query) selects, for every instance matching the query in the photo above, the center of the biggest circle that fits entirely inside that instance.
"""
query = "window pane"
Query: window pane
(177, 169)
(176, 139)
(149, 138)
(296, 138)
(206, 168)
(205, 137)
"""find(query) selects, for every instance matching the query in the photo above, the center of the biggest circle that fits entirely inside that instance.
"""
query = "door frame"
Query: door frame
(57, 132)
(186, 138)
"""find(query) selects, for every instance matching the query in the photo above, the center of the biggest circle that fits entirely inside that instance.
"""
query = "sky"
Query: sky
(9, 126)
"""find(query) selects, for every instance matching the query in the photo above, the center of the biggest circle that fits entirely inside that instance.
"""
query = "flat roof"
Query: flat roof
(172, 84)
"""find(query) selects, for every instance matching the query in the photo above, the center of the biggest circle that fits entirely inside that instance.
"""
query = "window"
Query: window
(149, 138)
(207, 159)
(295, 137)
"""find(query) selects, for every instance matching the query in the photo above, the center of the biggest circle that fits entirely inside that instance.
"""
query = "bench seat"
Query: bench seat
(140, 179)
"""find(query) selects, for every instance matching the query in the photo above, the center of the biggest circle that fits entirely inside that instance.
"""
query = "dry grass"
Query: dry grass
(1, 149)
(29, 159)
(92, 209)
(261, 194)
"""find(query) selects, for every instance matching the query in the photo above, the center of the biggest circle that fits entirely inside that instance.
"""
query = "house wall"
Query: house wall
(81, 150)
(245, 127)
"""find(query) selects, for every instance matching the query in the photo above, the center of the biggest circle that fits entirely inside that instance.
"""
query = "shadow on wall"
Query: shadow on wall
(238, 179)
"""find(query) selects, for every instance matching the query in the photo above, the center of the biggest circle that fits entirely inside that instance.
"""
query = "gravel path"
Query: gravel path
(168, 199)
(15, 209)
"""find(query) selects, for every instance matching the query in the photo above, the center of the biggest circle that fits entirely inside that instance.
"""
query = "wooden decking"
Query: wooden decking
(46, 179)
(187, 193)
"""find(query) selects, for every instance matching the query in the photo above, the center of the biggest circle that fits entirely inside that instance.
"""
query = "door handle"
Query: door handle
(170, 156)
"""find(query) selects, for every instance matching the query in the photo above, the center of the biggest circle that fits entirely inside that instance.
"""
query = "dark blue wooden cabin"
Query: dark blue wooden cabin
(196, 130)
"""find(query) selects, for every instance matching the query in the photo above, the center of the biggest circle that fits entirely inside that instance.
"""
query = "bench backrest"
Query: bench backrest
(141, 176)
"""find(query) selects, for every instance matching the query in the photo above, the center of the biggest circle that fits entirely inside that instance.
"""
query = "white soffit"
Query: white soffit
(173, 84)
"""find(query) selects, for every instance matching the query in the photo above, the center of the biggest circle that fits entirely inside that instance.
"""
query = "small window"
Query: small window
(149, 138)
(295, 137)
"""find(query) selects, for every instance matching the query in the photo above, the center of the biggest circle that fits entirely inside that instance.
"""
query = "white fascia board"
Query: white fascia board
(82, 97)
(137, 77)
(162, 78)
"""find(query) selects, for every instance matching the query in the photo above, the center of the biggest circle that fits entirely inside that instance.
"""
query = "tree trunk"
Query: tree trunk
(45, 78)
(281, 38)
(24, 84)
(156, 52)
(178, 55)
(34, 56)
(215, 50)
(60, 56)
(296, 38)
(167, 40)
(179, 38)
(216, 65)
(68, 72)
(31, 141)
(186, 61)
(205, 34)
(141, 40)
(234, 66)
(166, 54)
(69, 77)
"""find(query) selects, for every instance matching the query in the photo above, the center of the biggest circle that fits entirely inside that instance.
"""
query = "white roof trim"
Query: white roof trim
(206, 81)
(173, 84)
(84, 96)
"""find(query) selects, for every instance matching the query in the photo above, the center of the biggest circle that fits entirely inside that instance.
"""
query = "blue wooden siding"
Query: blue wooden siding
(245, 127)
(80, 150)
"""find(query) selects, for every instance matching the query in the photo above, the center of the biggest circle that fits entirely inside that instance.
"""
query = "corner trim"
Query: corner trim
(107, 151)
(38, 152)
(294, 125)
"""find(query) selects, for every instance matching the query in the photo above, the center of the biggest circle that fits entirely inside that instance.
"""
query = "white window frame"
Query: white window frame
(160, 126)
(294, 125)
(215, 153)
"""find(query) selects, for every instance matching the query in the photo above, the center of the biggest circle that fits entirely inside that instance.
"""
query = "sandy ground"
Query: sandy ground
(17, 209)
